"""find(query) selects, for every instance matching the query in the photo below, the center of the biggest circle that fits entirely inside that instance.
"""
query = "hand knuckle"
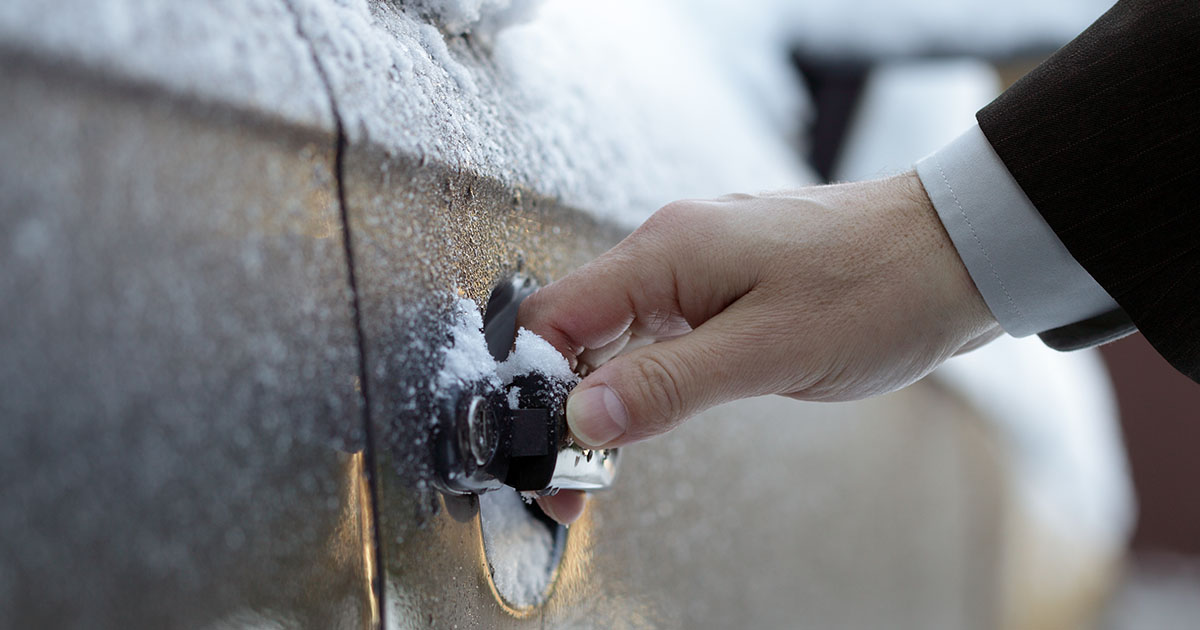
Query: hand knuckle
(661, 389)
(672, 216)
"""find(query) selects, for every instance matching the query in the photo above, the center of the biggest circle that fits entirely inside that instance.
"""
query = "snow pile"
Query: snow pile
(609, 113)
(480, 17)
(531, 354)
(466, 360)
(520, 549)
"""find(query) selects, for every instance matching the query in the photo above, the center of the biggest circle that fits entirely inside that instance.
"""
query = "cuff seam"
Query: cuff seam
(978, 242)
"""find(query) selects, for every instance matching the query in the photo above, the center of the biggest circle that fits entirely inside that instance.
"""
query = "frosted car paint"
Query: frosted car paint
(182, 427)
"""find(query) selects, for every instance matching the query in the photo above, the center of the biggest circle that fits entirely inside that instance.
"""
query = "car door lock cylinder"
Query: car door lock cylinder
(514, 434)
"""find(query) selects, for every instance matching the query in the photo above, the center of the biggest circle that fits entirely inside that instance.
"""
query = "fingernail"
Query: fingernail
(596, 416)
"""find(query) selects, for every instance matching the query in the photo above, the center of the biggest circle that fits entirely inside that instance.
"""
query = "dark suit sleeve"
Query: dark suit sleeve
(1104, 138)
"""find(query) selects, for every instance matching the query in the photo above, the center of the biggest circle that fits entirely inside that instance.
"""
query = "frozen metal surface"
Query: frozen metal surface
(180, 431)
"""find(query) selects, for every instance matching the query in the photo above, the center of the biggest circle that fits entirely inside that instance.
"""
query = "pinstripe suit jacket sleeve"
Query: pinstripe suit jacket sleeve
(1104, 139)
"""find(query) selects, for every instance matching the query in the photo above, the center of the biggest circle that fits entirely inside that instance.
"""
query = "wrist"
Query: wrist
(950, 286)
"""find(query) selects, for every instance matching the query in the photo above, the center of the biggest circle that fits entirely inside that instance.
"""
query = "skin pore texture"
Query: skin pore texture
(826, 293)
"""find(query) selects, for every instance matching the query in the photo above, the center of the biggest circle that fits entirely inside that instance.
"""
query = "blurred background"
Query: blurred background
(1160, 419)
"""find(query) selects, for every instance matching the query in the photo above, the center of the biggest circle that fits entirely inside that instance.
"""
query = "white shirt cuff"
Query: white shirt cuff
(1026, 275)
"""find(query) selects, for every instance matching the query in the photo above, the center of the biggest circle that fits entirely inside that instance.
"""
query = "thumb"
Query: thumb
(654, 388)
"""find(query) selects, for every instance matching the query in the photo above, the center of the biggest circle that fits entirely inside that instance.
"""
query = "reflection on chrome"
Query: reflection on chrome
(577, 469)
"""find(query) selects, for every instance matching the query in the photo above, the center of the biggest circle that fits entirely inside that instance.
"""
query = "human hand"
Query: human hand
(825, 293)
